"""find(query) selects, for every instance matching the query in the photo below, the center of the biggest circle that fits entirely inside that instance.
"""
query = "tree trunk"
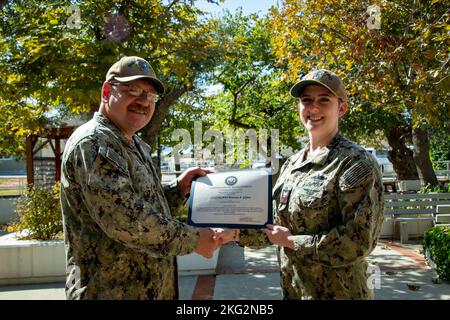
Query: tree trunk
(151, 131)
(400, 155)
(422, 157)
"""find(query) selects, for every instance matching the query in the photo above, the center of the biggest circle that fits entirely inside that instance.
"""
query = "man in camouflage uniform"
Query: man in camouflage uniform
(121, 241)
(328, 204)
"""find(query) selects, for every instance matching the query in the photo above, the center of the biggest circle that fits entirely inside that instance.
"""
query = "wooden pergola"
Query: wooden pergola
(53, 138)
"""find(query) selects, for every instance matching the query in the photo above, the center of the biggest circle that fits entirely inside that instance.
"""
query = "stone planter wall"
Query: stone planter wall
(390, 229)
(194, 264)
(408, 185)
(32, 261)
(387, 229)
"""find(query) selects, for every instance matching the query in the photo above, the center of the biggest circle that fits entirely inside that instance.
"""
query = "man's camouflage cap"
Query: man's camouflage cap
(132, 68)
(325, 78)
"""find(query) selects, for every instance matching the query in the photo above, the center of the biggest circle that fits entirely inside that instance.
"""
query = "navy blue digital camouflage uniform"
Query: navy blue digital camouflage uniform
(333, 204)
(121, 241)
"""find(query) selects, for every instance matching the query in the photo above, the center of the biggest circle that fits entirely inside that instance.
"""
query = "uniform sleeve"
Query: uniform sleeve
(174, 195)
(120, 212)
(253, 238)
(360, 199)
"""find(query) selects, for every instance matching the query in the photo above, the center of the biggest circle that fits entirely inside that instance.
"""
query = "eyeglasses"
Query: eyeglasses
(136, 91)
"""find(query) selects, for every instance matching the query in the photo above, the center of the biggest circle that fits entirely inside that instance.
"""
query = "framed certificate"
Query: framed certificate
(232, 199)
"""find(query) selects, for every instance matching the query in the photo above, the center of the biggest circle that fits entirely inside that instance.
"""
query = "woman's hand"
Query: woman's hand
(280, 235)
(225, 236)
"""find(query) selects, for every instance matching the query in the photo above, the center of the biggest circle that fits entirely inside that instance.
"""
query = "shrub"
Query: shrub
(39, 212)
(436, 189)
(182, 212)
(437, 242)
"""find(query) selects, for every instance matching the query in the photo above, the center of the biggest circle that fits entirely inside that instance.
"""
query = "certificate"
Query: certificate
(232, 199)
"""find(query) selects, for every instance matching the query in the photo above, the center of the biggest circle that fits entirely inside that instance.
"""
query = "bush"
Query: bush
(182, 212)
(437, 242)
(437, 189)
(39, 212)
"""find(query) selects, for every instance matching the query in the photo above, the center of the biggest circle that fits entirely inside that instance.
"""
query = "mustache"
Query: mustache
(139, 109)
(139, 106)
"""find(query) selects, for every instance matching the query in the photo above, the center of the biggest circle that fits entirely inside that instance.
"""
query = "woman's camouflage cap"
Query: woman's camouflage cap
(325, 78)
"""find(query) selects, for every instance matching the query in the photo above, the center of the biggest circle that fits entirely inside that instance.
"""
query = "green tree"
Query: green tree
(249, 90)
(400, 68)
(54, 56)
(440, 146)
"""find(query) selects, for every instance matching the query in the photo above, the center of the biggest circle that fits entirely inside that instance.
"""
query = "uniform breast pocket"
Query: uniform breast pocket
(314, 193)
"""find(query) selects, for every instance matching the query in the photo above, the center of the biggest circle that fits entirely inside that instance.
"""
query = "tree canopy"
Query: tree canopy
(395, 61)
(55, 54)
(402, 66)
(245, 90)
(233, 73)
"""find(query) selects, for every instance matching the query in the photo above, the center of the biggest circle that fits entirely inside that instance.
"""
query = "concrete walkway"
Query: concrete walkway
(247, 274)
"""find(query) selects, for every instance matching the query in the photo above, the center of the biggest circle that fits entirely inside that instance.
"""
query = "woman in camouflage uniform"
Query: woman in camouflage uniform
(328, 203)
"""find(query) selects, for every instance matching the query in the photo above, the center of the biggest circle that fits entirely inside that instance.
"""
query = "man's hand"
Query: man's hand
(185, 179)
(207, 244)
(279, 235)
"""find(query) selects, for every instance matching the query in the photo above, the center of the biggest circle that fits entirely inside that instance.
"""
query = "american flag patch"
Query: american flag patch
(356, 174)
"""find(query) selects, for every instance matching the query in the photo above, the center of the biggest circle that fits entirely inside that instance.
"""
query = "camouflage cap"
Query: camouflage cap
(325, 78)
(132, 68)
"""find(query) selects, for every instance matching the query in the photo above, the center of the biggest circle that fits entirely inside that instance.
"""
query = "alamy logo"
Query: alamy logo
(231, 180)
(374, 18)
(230, 148)
(374, 277)
(74, 21)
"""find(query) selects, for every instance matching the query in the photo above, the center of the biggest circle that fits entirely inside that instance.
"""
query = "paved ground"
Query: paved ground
(246, 274)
